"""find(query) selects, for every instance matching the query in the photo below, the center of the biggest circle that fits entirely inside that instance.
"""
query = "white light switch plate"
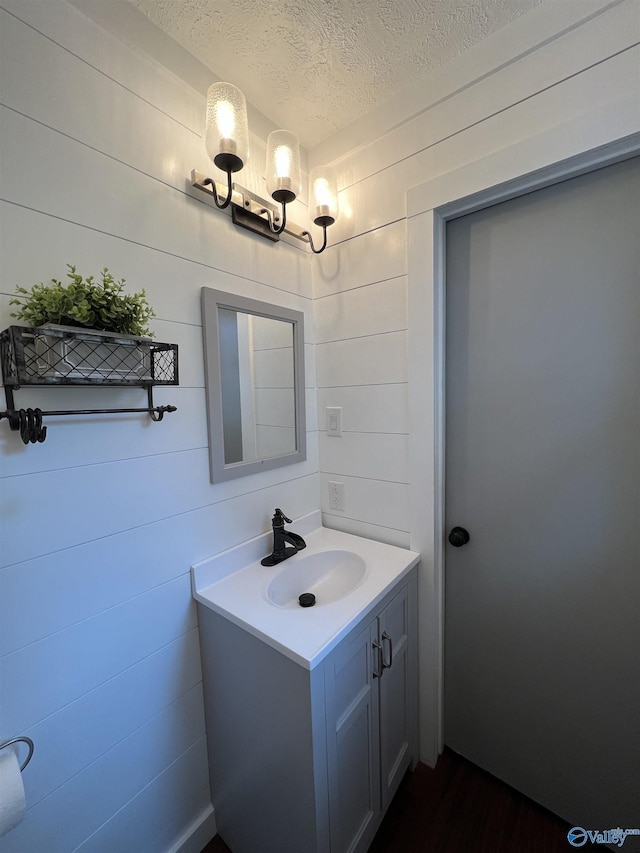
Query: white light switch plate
(334, 420)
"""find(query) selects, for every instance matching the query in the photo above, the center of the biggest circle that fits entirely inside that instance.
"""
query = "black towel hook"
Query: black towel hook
(30, 426)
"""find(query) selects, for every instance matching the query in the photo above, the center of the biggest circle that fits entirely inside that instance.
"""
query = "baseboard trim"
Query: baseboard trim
(198, 835)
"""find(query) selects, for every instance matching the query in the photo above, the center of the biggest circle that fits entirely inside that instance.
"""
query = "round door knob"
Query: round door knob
(459, 537)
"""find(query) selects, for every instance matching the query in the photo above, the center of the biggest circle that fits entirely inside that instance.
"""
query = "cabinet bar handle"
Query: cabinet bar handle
(385, 636)
(377, 673)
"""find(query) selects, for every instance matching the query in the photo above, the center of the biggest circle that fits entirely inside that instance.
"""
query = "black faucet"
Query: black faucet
(280, 538)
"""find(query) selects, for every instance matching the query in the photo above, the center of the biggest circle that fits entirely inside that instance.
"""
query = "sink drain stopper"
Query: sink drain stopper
(307, 599)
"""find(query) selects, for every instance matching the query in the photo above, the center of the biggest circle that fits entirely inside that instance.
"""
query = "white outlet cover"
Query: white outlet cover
(336, 495)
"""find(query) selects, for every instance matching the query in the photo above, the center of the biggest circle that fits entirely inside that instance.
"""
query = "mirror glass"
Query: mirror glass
(254, 357)
(258, 396)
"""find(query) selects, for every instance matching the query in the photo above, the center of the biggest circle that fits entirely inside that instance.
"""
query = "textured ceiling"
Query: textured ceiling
(314, 66)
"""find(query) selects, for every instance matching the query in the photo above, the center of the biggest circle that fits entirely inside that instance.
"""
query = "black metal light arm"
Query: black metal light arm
(324, 240)
(283, 225)
(277, 229)
(209, 182)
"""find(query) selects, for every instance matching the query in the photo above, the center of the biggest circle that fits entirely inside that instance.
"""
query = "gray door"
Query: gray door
(542, 619)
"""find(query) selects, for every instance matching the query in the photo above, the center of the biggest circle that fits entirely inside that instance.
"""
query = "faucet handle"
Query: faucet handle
(279, 517)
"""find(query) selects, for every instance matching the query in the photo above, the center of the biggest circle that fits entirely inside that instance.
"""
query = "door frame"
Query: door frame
(601, 138)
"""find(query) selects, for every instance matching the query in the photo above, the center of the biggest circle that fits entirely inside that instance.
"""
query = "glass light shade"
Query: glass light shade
(227, 129)
(283, 166)
(323, 195)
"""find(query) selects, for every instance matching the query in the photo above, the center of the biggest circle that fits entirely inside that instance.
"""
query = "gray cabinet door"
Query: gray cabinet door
(395, 695)
(353, 756)
(542, 642)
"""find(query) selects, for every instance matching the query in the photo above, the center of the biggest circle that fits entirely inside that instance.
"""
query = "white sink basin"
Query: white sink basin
(329, 575)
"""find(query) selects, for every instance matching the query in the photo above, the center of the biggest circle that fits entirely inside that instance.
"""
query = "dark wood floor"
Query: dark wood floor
(458, 808)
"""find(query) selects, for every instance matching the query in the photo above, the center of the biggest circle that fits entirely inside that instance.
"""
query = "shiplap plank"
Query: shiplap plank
(370, 310)
(274, 407)
(335, 521)
(365, 454)
(309, 362)
(311, 417)
(373, 360)
(190, 352)
(274, 441)
(273, 368)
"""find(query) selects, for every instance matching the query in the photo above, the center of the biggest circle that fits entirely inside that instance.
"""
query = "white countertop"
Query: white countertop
(234, 584)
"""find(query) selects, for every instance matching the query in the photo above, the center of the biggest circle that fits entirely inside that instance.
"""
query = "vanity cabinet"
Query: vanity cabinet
(307, 760)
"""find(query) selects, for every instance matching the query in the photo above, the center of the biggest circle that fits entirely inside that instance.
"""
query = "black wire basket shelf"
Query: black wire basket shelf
(63, 355)
(68, 356)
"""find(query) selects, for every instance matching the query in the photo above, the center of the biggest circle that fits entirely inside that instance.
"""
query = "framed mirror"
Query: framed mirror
(255, 381)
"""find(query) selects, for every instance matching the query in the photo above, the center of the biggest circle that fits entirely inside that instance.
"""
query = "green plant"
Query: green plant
(86, 303)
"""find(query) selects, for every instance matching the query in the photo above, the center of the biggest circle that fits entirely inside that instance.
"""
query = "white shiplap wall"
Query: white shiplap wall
(99, 656)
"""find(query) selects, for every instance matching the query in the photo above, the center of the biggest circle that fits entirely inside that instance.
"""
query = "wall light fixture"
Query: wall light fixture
(226, 134)
(227, 144)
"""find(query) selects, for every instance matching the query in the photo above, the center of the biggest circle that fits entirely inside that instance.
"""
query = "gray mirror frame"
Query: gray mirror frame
(212, 301)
